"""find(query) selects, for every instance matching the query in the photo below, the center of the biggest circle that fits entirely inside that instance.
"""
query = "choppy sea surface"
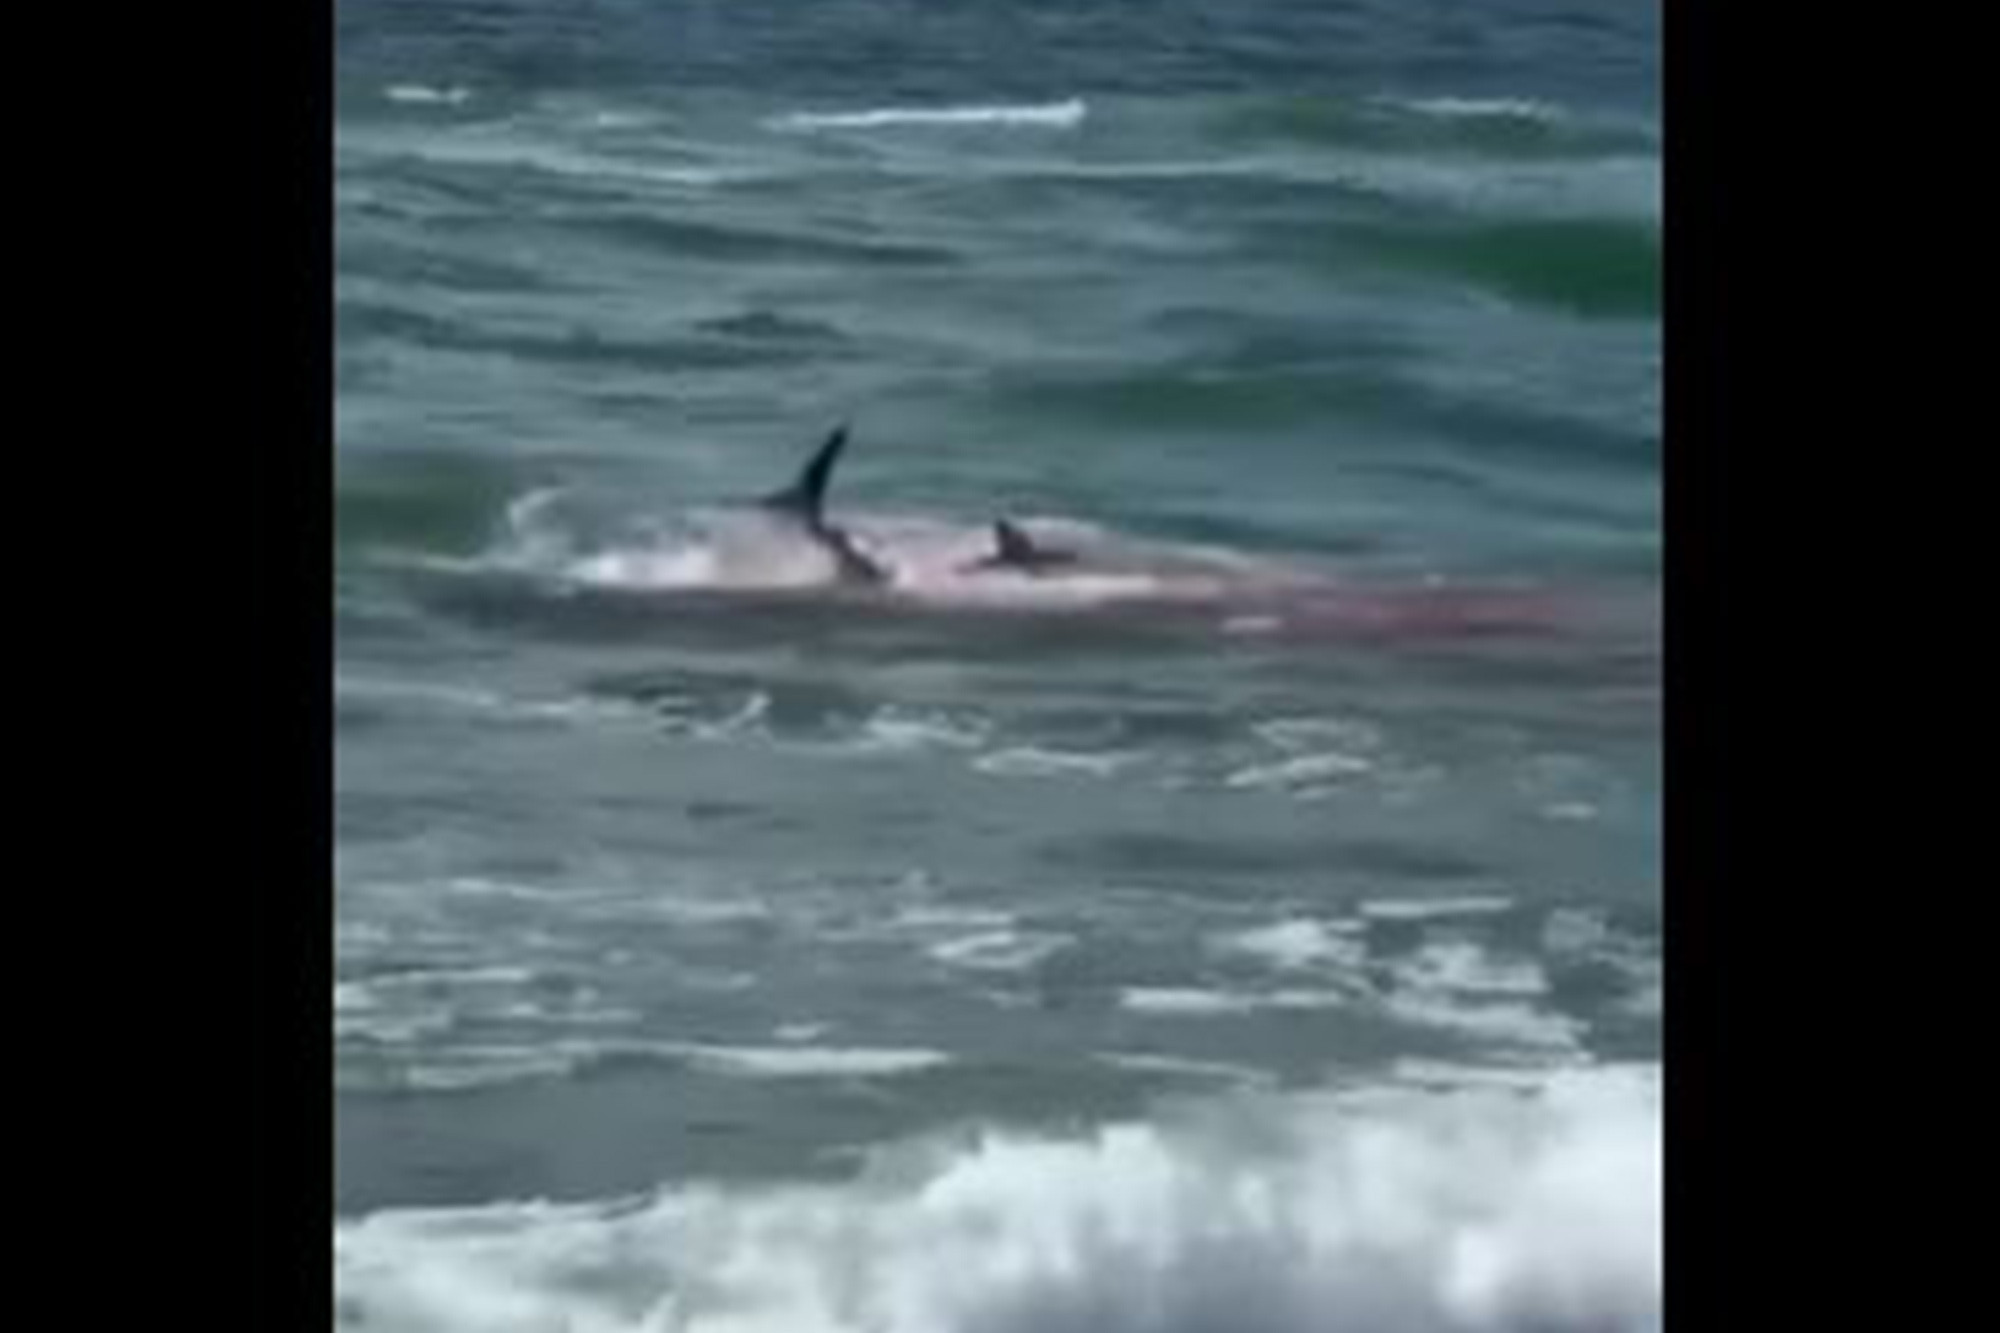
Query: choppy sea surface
(720, 951)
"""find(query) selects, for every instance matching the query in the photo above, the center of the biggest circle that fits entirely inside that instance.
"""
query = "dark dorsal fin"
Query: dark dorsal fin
(1011, 546)
(806, 496)
(1014, 549)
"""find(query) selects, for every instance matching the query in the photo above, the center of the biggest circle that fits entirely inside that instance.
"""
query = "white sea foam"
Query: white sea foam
(1464, 987)
(1297, 944)
(463, 1066)
(467, 1069)
(1502, 1024)
(1427, 909)
(1187, 1000)
(473, 699)
(1482, 108)
(1483, 1210)
(1034, 761)
(997, 950)
(901, 731)
(419, 94)
(1179, 1066)
(1300, 772)
(1461, 965)
(795, 1061)
(933, 916)
(1194, 1001)
(1039, 115)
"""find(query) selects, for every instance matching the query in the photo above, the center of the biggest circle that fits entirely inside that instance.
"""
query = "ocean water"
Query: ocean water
(1277, 949)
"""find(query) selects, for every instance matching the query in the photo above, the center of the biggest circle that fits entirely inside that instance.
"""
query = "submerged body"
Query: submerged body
(791, 544)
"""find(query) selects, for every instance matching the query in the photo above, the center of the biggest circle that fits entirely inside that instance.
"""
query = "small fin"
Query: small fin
(806, 496)
(1011, 546)
(855, 565)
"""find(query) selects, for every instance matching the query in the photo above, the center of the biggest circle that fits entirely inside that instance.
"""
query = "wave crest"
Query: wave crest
(1476, 1211)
